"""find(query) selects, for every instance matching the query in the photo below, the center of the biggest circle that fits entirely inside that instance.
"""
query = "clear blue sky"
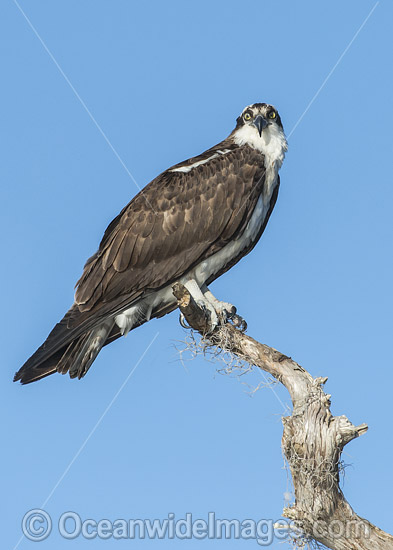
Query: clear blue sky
(317, 287)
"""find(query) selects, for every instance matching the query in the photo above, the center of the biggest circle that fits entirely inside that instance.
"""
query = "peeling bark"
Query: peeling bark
(313, 439)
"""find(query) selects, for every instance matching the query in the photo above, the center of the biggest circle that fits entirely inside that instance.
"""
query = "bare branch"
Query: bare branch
(312, 441)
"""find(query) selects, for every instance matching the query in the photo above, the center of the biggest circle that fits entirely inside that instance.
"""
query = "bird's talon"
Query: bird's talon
(228, 314)
(238, 322)
(182, 321)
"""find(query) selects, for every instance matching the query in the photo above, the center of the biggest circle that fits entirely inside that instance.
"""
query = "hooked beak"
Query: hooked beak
(260, 123)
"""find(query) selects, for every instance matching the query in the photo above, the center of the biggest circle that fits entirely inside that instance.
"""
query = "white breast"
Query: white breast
(215, 263)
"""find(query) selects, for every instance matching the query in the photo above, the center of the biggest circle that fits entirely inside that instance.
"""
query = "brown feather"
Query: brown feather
(179, 220)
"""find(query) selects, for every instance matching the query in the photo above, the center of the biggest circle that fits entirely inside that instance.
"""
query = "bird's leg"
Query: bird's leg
(195, 291)
(225, 310)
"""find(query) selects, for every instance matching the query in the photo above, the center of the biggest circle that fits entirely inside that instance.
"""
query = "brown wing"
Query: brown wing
(178, 220)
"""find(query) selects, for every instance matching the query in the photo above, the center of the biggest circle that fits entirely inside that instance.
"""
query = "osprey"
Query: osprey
(190, 224)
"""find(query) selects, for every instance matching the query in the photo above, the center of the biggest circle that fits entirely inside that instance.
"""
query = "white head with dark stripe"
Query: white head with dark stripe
(260, 127)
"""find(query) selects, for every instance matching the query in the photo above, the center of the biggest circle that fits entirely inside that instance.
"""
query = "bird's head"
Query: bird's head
(260, 126)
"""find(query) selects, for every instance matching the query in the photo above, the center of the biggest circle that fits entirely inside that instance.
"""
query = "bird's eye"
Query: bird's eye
(247, 116)
(272, 114)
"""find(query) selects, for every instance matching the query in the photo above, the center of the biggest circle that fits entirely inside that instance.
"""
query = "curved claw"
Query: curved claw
(243, 325)
(238, 322)
(182, 321)
(227, 315)
(233, 311)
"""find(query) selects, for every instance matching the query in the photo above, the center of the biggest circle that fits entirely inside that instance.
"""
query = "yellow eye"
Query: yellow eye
(272, 114)
(247, 116)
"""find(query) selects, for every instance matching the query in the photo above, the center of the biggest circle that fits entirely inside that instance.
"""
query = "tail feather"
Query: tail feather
(26, 375)
(73, 345)
(74, 353)
(81, 353)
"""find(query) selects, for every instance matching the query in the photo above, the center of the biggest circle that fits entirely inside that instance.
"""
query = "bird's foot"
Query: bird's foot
(219, 312)
(238, 322)
(228, 314)
(204, 304)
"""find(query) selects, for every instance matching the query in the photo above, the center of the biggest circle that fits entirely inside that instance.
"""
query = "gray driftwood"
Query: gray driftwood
(312, 441)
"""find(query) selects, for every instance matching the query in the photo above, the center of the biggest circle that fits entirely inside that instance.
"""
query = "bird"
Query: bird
(190, 224)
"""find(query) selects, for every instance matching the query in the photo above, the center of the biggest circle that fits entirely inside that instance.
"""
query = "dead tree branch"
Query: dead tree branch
(312, 441)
